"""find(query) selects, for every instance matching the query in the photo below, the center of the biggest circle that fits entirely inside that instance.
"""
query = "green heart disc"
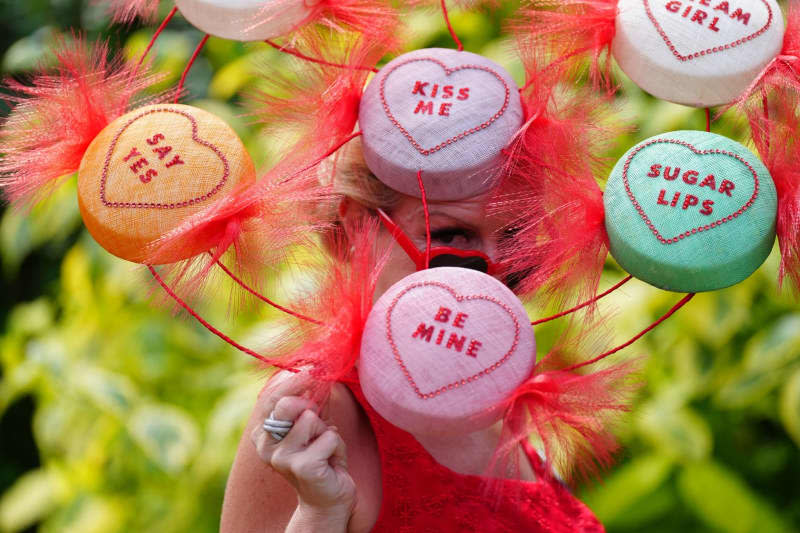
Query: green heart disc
(690, 211)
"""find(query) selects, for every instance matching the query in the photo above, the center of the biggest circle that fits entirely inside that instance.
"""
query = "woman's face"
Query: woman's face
(460, 224)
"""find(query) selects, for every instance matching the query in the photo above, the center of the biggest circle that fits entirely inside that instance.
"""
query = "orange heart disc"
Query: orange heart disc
(151, 169)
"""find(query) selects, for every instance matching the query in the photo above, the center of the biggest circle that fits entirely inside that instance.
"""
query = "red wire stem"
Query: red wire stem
(331, 151)
(286, 49)
(450, 27)
(253, 291)
(211, 328)
(666, 315)
(427, 220)
(584, 304)
(264, 298)
(708, 120)
(765, 107)
(157, 33)
(189, 66)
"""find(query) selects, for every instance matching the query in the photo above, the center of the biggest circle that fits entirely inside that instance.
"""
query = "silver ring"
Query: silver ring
(277, 429)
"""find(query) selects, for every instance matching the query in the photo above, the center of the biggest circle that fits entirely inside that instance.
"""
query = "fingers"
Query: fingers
(331, 446)
(312, 457)
(307, 427)
(288, 408)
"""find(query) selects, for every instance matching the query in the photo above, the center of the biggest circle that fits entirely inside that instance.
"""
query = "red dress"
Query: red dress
(422, 496)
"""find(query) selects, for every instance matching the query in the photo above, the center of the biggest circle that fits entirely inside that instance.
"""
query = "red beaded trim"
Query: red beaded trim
(486, 371)
(448, 71)
(698, 229)
(154, 205)
(707, 51)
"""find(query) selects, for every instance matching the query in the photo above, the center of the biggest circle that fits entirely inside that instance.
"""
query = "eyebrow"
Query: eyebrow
(473, 226)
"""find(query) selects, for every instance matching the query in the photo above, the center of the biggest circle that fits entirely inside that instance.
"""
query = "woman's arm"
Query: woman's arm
(298, 484)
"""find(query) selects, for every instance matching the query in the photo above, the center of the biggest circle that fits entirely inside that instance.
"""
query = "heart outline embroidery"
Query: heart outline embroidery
(707, 51)
(697, 229)
(488, 370)
(447, 71)
(156, 205)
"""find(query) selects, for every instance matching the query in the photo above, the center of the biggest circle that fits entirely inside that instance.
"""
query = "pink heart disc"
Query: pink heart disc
(697, 52)
(445, 113)
(442, 349)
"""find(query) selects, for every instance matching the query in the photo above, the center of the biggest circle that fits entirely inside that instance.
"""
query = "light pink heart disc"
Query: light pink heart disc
(442, 349)
(445, 113)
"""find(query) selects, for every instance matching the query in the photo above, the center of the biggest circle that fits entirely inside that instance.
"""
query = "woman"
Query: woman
(348, 469)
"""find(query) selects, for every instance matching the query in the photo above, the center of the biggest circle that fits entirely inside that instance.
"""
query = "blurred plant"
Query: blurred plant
(137, 413)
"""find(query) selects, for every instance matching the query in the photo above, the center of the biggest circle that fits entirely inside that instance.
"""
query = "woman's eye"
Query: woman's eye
(456, 237)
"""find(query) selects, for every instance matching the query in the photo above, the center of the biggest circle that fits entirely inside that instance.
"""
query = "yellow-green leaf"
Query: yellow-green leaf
(790, 406)
(724, 502)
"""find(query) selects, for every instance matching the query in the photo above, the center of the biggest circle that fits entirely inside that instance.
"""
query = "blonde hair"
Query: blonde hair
(351, 178)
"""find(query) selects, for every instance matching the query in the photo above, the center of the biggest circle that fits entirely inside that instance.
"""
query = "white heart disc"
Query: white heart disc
(245, 20)
(700, 53)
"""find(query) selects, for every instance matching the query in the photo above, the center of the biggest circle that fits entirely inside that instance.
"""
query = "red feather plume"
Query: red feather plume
(342, 302)
(555, 205)
(257, 223)
(317, 101)
(573, 31)
(127, 11)
(783, 71)
(775, 127)
(56, 117)
(378, 20)
(572, 415)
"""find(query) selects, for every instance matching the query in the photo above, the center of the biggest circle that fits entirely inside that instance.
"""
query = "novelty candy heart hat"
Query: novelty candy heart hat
(443, 349)
(446, 114)
(686, 211)
(708, 53)
(447, 351)
(148, 170)
(690, 211)
(461, 105)
(445, 124)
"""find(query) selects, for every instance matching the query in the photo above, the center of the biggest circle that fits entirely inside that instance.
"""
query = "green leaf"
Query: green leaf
(231, 78)
(790, 406)
(169, 55)
(776, 346)
(30, 499)
(678, 431)
(49, 222)
(762, 369)
(724, 502)
(87, 514)
(166, 434)
(31, 318)
(29, 52)
(628, 486)
(109, 391)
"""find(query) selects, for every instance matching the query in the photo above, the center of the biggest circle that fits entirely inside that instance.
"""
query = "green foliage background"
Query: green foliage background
(117, 416)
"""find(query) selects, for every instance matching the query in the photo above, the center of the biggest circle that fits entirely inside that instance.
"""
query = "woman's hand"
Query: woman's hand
(312, 458)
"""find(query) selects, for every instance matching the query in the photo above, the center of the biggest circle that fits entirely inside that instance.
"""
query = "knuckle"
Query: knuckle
(288, 407)
(298, 466)
(283, 404)
(308, 417)
(307, 471)
(280, 460)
